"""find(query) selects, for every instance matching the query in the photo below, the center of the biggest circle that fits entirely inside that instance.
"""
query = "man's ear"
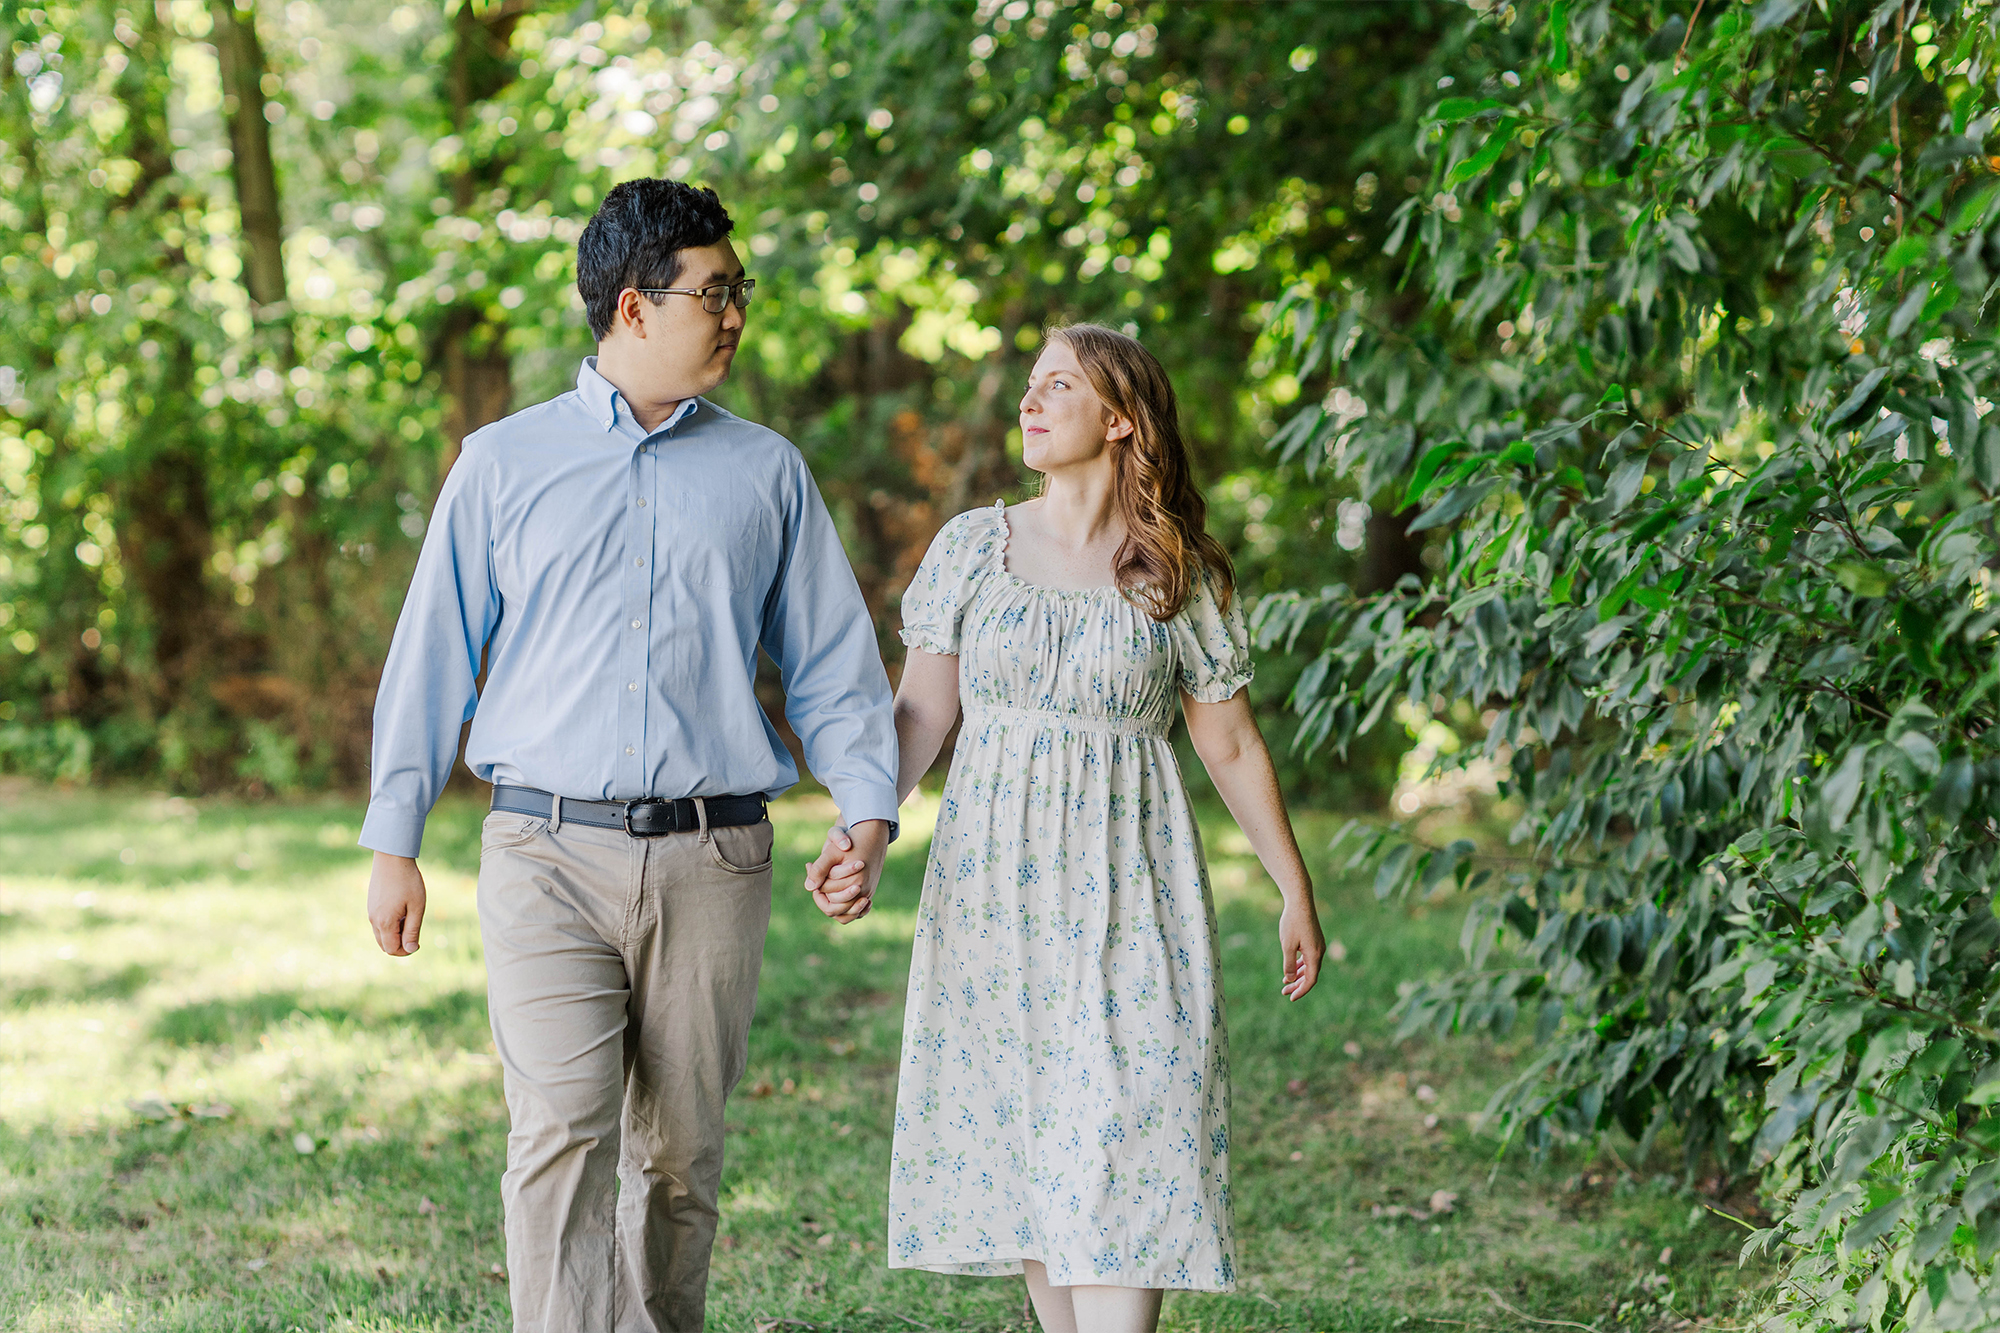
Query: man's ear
(629, 314)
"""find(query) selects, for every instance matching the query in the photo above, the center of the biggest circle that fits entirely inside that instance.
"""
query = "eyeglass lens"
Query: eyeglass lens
(716, 299)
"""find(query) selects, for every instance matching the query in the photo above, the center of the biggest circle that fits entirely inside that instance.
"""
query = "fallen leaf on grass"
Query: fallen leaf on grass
(303, 1145)
(254, 1264)
(1351, 1049)
(212, 1111)
(1441, 1202)
(425, 1207)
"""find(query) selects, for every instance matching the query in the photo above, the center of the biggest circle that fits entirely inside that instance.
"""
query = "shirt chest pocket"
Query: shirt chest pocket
(722, 550)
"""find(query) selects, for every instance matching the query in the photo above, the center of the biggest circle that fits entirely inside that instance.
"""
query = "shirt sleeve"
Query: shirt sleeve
(934, 603)
(818, 630)
(1213, 645)
(429, 685)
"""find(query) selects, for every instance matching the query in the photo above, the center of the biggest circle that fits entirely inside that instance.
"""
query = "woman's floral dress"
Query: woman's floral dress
(1065, 1088)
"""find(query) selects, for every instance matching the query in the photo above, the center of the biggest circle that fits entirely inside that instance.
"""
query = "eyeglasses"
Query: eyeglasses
(714, 299)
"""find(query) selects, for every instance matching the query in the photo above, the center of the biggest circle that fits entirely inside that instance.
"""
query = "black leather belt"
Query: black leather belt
(647, 817)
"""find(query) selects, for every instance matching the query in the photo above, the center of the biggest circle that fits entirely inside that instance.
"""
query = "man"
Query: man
(620, 553)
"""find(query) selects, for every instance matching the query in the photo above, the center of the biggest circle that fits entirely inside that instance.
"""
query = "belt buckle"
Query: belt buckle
(648, 828)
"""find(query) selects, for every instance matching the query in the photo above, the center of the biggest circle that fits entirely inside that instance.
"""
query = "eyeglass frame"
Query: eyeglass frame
(738, 292)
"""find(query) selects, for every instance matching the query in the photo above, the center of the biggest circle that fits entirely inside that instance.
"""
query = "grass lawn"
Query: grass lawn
(222, 1109)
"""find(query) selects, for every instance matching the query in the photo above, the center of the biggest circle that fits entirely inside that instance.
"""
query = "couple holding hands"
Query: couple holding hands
(617, 556)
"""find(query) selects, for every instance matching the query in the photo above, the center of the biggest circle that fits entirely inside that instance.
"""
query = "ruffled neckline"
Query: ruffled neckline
(998, 515)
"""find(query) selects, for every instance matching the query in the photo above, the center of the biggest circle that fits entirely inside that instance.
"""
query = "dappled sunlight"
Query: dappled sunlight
(219, 1091)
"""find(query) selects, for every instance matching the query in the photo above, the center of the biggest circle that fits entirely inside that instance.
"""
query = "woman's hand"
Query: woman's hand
(1303, 943)
(838, 879)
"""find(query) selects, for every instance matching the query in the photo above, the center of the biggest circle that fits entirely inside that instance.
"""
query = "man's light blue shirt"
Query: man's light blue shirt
(620, 583)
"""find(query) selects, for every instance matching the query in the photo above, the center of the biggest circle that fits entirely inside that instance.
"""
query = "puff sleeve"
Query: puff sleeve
(934, 603)
(1212, 645)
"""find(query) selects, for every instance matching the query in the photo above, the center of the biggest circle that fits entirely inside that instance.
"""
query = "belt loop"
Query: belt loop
(701, 814)
(555, 814)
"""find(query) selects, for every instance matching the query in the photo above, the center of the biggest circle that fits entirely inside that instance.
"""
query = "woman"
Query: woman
(1063, 1107)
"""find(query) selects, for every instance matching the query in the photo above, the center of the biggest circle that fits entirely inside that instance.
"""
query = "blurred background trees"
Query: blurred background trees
(268, 263)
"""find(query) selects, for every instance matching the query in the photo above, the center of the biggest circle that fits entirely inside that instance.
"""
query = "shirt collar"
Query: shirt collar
(606, 405)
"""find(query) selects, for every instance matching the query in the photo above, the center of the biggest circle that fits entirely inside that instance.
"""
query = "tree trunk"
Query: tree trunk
(251, 166)
(478, 378)
(1389, 552)
(471, 352)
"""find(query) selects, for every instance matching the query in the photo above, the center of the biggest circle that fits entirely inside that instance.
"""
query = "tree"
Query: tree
(345, 238)
(1692, 409)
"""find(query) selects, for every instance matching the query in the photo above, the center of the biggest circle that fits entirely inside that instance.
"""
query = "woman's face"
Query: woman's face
(1063, 421)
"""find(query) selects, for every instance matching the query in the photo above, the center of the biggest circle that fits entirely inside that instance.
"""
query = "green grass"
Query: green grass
(222, 1108)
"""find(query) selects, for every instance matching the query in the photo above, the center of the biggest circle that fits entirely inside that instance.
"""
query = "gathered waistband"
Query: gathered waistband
(1144, 728)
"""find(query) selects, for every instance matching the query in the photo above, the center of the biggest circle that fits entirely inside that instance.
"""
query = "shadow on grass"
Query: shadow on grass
(83, 985)
(454, 1018)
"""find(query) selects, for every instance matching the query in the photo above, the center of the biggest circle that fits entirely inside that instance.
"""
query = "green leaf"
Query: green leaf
(1453, 506)
(1482, 161)
(1874, 1224)
(1843, 788)
(1906, 252)
(1972, 213)
(1623, 483)
(1986, 1091)
(1434, 458)
(1859, 398)
(1774, 13)
(1862, 578)
(1559, 35)
(1453, 109)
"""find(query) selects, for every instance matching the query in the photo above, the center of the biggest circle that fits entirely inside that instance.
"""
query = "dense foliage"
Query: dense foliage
(267, 263)
(1685, 372)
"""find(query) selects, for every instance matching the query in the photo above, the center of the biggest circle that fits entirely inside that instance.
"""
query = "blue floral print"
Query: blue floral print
(1065, 999)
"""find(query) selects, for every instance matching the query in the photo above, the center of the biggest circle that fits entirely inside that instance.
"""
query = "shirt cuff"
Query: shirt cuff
(393, 832)
(861, 804)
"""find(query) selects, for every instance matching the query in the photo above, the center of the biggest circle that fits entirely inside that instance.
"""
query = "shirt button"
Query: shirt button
(640, 561)
(631, 684)
(607, 423)
(642, 504)
(637, 624)
(630, 750)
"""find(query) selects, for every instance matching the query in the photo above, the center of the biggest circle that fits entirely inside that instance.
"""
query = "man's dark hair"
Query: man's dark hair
(636, 240)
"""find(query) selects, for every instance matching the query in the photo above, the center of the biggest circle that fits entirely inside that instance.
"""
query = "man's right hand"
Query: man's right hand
(396, 903)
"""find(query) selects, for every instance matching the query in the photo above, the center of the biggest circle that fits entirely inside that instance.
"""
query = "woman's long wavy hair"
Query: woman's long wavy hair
(1166, 543)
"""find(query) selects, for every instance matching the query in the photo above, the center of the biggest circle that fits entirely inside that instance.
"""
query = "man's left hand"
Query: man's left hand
(842, 879)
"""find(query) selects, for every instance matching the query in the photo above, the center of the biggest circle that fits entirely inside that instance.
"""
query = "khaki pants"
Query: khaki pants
(621, 976)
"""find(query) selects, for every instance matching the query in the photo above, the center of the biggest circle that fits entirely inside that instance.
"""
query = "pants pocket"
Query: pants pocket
(503, 829)
(744, 849)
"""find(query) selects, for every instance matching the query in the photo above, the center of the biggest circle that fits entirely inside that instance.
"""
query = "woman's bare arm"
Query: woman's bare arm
(926, 708)
(1232, 749)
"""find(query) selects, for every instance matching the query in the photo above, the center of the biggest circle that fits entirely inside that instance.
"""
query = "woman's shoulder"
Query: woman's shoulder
(981, 531)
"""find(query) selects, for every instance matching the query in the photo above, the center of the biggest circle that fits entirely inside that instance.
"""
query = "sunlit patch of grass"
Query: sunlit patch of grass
(223, 1108)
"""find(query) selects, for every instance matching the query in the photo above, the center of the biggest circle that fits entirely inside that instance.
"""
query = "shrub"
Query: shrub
(1693, 414)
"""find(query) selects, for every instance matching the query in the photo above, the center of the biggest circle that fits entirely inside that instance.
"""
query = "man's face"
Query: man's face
(684, 350)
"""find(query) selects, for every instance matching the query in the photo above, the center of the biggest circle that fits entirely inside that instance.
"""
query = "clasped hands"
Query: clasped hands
(842, 878)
